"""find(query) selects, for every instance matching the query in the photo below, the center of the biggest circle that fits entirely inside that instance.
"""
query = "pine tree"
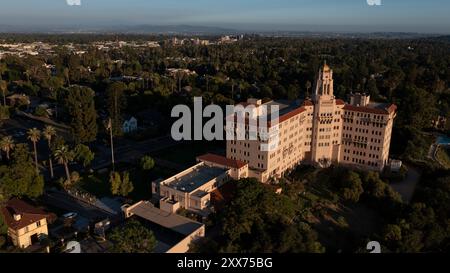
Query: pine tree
(121, 184)
(115, 182)
(80, 105)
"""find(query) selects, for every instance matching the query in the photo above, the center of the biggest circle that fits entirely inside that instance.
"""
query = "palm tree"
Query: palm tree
(64, 156)
(7, 144)
(49, 133)
(34, 135)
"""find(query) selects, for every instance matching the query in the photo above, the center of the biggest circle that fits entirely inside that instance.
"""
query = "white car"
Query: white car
(70, 215)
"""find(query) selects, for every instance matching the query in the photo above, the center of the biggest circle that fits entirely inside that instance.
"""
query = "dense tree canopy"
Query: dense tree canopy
(19, 178)
(259, 220)
(132, 237)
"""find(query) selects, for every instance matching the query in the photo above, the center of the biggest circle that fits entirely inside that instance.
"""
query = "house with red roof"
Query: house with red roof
(26, 224)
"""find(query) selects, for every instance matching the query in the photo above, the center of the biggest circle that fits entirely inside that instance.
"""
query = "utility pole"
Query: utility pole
(109, 127)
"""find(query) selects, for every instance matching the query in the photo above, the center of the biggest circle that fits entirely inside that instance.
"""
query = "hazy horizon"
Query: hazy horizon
(415, 16)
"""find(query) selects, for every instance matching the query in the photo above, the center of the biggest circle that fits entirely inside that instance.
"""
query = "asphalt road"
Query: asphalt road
(68, 203)
(131, 151)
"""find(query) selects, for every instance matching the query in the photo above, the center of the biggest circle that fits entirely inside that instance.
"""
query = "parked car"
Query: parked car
(70, 215)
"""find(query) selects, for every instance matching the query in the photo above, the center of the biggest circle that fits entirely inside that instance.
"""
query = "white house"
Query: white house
(129, 125)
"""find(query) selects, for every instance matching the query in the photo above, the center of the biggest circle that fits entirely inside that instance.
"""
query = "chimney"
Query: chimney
(17, 217)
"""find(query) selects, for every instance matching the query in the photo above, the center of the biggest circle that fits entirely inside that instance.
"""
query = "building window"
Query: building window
(38, 223)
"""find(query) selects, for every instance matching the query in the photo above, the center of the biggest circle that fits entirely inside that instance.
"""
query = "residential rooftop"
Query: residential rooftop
(194, 178)
(164, 219)
(19, 214)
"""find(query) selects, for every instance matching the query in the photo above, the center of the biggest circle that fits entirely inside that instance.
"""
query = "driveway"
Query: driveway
(407, 187)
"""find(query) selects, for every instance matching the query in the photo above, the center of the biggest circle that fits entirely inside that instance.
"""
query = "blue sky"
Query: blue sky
(314, 15)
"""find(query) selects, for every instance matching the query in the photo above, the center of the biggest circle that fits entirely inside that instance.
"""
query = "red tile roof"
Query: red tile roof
(291, 114)
(340, 102)
(28, 214)
(380, 111)
(223, 195)
(221, 160)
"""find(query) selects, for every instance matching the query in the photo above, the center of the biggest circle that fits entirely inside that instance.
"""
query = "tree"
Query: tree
(3, 88)
(84, 155)
(48, 133)
(64, 156)
(412, 242)
(3, 230)
(79, 103)
(351, 186)
(121, 184)
(115, 181)
(34, 135)
(4, 112)
(19, 178)
(127, 186)
(392, 234)
(7, 145)
(3, 226)
(147, 163)
(373, 89)
(132, 237)
(417, 108)
(66, 75)
(259, 220)
(116, 102)
(308, 86)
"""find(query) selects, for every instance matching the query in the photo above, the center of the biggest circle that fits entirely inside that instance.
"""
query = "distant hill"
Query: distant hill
(137, 29)
(188, 30)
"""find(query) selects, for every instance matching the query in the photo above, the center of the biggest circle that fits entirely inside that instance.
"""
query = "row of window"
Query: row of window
(326, 144)
(363, 115)
(361, 161)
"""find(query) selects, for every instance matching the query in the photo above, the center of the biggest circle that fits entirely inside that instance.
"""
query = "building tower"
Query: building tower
(327, 122)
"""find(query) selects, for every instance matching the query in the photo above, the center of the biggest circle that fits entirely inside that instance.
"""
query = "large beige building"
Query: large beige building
(321, 131)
